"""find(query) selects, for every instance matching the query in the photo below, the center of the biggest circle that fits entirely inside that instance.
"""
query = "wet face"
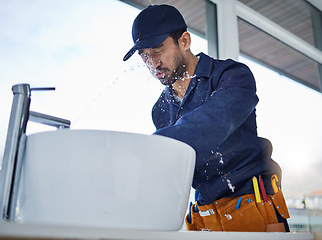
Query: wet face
(165, 61)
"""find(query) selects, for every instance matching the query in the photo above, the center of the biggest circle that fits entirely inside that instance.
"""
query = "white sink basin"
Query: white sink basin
(105, 179)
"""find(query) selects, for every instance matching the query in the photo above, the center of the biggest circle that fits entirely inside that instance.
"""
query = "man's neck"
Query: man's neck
(181, 85)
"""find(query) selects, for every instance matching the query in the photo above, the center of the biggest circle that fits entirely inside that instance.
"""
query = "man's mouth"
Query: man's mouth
(160, 74)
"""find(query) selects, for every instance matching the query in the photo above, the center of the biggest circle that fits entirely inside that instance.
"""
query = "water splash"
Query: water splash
(109, 85)
(231, 187)
(220, 158)
(218, 155)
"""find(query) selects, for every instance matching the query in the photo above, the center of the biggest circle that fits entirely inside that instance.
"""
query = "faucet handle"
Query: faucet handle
(43, 89)
(25, 89)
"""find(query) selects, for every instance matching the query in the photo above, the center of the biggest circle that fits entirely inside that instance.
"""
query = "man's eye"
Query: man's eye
(142, 53)
(145, 56)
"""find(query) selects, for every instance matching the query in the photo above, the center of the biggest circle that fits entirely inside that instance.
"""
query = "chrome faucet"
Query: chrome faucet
(15, 145)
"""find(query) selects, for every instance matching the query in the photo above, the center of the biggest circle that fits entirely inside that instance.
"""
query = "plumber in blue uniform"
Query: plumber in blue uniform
(210, 104)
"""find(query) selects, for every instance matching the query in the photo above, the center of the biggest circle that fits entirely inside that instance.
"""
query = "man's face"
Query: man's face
(165, 61)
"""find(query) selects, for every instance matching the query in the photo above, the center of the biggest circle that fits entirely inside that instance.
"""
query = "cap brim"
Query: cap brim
(130, 53)
(146, 43)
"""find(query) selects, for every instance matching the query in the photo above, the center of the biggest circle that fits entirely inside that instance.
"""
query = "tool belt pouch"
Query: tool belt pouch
(268, 213)
(196, 223)
(246, 218)
(280, 205)
(210, 217)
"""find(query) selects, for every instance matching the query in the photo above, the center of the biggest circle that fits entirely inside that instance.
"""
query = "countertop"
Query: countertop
(17, 231)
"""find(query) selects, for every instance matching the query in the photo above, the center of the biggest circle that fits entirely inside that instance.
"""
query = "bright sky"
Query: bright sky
(78, 46)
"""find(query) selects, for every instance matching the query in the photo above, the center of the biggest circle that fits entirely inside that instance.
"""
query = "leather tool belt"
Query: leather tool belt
(251, 216)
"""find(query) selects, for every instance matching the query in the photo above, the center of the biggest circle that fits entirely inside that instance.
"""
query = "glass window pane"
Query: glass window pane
(271, 52)
(295, 16)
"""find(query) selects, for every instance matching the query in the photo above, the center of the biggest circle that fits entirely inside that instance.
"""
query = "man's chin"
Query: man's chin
(167, 82)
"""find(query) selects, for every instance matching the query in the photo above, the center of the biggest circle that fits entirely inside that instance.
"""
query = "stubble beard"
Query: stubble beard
(176, 74)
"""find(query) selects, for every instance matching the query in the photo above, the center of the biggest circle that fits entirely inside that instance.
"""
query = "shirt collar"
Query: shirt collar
(204, 66)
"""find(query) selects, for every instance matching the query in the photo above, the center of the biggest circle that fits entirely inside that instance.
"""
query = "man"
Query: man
(210, 105)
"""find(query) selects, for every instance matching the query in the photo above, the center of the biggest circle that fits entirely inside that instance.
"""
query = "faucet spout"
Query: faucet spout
(49, 120)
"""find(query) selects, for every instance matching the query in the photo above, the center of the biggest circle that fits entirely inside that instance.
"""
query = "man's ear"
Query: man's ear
(185, 40)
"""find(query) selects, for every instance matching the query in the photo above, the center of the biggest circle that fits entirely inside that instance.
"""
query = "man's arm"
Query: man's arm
(226, 109)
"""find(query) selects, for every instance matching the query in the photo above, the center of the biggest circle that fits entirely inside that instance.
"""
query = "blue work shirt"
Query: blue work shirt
(217, 118)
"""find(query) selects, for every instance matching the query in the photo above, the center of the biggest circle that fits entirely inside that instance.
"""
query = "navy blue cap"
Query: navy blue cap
(153, 25)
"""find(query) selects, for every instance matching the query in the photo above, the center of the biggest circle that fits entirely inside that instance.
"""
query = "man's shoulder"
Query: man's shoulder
(216, 66)
(206, 58)
(226, 73)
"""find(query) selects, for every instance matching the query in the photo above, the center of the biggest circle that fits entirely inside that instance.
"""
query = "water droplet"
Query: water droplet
(231, 187)
(218, 155)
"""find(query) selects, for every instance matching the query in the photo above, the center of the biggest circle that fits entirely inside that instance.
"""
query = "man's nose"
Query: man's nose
(157, 63)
